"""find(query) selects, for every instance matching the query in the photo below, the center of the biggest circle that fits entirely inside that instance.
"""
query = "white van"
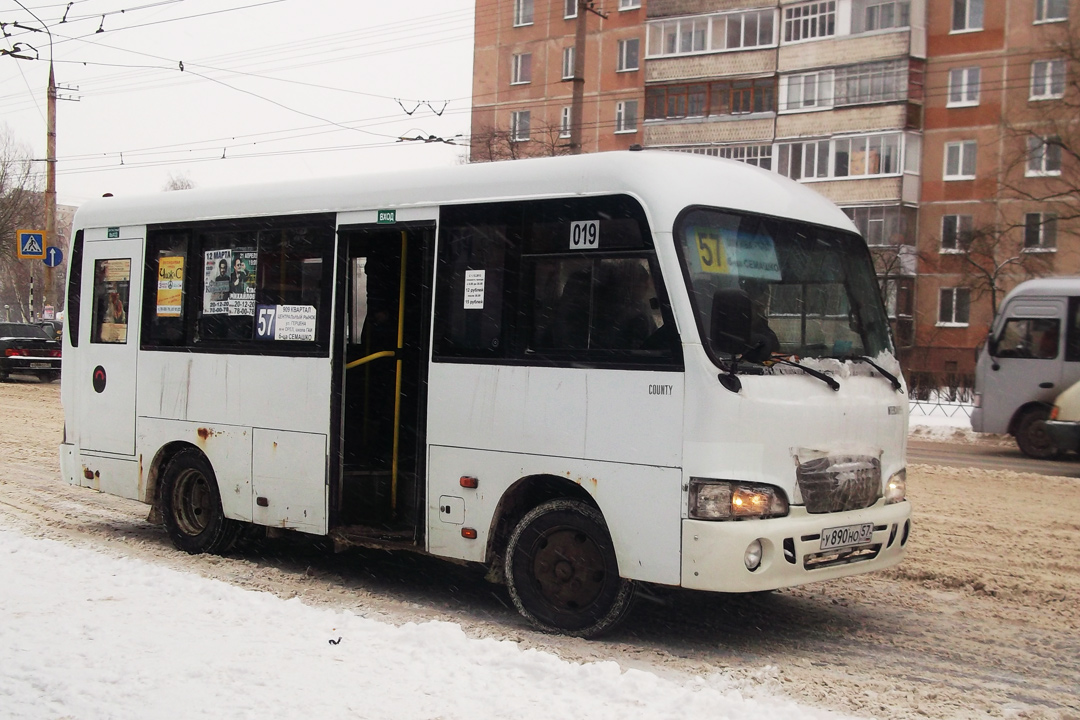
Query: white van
(1031, 355)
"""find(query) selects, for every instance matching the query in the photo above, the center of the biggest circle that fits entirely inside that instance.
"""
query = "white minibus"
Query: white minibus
(1031, 355)
(586, 373)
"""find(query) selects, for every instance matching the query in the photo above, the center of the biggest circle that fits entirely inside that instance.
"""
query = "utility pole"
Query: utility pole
(577, 103)
(50, 179)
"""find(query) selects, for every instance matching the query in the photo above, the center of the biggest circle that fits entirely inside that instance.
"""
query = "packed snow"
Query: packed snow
(89, 635)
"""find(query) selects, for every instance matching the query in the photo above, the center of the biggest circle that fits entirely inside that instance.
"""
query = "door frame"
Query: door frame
(416, 222)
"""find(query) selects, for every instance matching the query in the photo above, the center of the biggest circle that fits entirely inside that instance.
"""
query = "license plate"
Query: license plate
(846, 536)
(40, 365)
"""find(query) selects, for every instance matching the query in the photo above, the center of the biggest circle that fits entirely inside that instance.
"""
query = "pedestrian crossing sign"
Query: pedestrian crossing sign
(31, 244)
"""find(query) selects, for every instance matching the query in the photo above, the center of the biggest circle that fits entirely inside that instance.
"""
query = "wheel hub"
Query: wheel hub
(569, 568)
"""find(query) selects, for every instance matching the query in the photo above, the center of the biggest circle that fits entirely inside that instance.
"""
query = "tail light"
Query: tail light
(13, 352)
(1054, 413)
(54, 353)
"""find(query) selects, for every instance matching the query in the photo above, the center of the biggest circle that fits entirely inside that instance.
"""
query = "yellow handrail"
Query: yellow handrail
(369, 358)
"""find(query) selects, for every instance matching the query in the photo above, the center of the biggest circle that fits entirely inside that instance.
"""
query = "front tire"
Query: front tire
(1032, 436)
(191, 506)
(562, 573)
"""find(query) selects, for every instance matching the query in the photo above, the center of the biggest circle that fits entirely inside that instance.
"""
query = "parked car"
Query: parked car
(1064, 423)
(28, 349)
(53, 327)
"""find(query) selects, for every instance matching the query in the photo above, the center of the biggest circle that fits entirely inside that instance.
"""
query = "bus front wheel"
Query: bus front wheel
(562, 573)
(191, 506)
(1033, 437)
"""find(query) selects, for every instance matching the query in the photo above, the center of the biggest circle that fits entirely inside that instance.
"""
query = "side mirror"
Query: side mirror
(731, 321)
(991, 344)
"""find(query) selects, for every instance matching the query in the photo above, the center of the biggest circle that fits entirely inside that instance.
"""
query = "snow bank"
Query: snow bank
(87, 635)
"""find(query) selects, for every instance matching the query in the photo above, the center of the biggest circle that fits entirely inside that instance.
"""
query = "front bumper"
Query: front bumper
(1066, 435)
(712, 552)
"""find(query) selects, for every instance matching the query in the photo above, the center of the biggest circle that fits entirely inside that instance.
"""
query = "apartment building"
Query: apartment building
(997, 79)
(523, 70)
(913, 116)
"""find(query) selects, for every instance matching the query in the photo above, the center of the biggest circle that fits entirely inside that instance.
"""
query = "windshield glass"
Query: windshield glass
(809, 291)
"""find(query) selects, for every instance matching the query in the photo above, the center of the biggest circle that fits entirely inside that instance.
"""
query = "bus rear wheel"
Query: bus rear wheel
(1032, 436)
(562, 573)
(191, 506)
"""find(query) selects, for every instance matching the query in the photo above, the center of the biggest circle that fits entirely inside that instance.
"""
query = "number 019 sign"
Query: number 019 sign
(585, 235)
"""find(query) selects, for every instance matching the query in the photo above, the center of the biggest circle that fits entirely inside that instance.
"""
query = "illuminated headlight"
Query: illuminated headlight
(727, 500)
(896, 488)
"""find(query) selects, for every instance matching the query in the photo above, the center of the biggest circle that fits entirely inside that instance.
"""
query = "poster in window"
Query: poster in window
(242, 281)
(111, 296)
(170, 289)
(216, 282)
(474, 289)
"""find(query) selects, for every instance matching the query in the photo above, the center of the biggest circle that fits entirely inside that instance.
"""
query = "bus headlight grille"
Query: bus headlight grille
(839, 483)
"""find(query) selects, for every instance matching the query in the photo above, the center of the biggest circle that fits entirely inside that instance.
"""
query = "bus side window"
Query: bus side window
(1072, 331)
(1029, 338)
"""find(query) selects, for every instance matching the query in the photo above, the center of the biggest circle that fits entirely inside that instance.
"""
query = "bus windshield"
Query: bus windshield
(809, 291)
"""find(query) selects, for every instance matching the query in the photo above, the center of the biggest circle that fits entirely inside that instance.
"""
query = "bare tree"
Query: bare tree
(21, 207)
(491, 144)
(179, 182)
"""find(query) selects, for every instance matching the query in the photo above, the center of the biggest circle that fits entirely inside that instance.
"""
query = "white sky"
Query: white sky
(246, 89)
(89, 635)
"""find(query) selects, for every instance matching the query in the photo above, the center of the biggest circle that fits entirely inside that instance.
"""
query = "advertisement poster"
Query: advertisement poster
(170, 286)
(216, 282)
(242, 281)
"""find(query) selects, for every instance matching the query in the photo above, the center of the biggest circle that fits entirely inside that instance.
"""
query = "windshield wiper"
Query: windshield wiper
(885, 373)
(831, 382)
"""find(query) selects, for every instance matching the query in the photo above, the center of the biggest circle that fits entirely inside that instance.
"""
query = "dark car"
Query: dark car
(28, 350)
(53, 327)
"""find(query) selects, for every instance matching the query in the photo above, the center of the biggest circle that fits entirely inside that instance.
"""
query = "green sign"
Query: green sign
(114, 233)
(387, 217)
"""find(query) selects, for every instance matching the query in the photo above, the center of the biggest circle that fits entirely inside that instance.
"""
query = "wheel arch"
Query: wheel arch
(152, 491)
(522, 496)
(1014, 421)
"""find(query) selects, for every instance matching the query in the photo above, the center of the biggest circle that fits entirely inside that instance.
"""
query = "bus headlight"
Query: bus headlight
(729, 500)
(896, 488)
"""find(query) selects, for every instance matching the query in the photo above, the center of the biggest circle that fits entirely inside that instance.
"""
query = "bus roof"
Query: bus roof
(666, 183)
(1050, 286)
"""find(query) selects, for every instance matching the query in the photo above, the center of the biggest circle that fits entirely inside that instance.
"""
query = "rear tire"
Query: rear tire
(562, 573)
(1033, 438)
(191, 506)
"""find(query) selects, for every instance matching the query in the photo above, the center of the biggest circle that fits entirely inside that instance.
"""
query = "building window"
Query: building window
(1043, 156)
(756, 155)
(960, 160)
(523, 12)
(870, 82)
(955, 233)
(570, 9)
(568, 63)
(519, 125)
(954, 307)
(967, 15)
(1051, 10)
(1047, 79)
(860, 156)
(521, 72)
(564, 123)
(1040, 231)
(871, 15)
(727, 31)
(810, 20)
(629, 4)
(719, 98)
(963, 87)
(628, 54)
(626, 116)
(808, 91)
(885, 225)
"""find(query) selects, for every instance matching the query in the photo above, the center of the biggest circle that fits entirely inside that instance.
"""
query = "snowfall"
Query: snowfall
(86, 635)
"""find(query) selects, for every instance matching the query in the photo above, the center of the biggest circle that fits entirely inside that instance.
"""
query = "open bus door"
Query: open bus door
(383, 362)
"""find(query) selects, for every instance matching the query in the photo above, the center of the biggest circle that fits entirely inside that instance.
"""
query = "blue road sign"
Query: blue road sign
(31, 244)
(53, 256)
